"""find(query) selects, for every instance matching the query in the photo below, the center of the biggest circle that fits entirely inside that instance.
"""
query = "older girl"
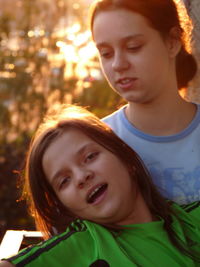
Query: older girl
(144, 58)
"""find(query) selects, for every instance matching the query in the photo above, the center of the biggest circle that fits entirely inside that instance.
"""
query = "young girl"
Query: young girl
(144, 58)
(85, 182)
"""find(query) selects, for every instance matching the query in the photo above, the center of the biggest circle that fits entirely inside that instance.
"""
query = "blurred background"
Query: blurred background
(46, 58)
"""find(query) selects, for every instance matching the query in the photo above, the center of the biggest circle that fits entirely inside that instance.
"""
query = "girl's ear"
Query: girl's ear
(174, 42)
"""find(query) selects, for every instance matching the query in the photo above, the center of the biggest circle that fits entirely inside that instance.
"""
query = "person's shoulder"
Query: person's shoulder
(54, 247)
(71, 232)
(114, 114)
(191, 210)
(191, 206)
(116, 119)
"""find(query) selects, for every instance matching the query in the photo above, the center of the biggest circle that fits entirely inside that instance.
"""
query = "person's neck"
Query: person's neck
(163, 118)
(140, 214)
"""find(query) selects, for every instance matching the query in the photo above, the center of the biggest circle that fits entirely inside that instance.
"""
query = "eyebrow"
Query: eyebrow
(124, 39)
(79, 152)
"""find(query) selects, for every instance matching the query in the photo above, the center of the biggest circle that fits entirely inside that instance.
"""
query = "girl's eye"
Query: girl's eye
(63, 182)
(105, 54)
(91, 156)
(134, 48)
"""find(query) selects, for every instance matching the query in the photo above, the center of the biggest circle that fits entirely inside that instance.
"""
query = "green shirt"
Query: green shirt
(87, 244)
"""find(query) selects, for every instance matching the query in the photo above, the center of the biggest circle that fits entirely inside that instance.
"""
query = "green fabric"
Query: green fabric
(136, 245)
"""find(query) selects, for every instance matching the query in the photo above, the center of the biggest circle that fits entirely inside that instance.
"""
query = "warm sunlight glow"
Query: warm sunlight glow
(74, 29)
(78, 50)
(81, 38)
(69, 52)
(186, 23)
(76, 6)
(88, 52)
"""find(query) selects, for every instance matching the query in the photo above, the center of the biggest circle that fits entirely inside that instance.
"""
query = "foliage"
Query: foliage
(13, 214)
(29, 84)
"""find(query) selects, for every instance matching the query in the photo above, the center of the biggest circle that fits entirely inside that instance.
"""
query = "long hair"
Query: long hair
(162, 16)
(44, 205)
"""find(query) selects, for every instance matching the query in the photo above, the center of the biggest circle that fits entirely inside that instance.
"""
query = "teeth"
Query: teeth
(93, 192)
(125, 81)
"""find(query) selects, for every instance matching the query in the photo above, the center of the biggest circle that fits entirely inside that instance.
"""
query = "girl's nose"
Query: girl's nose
(120, 63)
(84, 178)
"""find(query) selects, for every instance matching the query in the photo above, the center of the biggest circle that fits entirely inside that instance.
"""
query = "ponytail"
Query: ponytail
(186, 68)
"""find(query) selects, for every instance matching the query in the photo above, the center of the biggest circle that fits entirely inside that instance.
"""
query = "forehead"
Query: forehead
(69, 137)
(118, 23)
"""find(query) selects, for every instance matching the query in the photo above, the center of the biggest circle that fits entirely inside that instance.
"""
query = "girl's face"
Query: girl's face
(137, 62)
(88, 179)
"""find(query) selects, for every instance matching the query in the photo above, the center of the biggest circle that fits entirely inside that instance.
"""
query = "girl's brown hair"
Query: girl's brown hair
(162, 16)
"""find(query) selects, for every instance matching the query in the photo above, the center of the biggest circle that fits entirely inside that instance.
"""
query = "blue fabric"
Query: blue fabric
(173, 161)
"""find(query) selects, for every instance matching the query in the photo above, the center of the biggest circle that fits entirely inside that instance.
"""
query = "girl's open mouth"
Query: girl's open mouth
(96, 195)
